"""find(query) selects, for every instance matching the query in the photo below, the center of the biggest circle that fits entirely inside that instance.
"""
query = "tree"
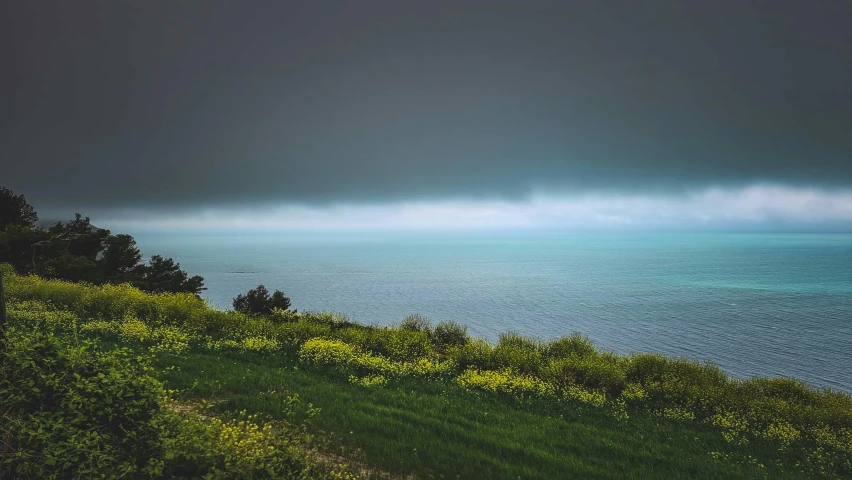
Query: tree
(81, 252)
(74, 268)
(258, 301)
(163, 275)
(79, 237)
(21, 246)
(14, 210)
(120, 257)
(71, 251)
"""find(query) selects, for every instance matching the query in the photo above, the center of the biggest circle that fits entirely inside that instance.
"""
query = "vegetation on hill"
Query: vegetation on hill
(410, 399)
(259, 301)
(80, 252)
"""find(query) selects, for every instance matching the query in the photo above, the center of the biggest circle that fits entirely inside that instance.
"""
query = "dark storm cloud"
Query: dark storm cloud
(207, 102)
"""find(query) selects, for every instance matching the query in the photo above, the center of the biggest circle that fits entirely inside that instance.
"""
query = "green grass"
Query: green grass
(439, 430)
(444, 405)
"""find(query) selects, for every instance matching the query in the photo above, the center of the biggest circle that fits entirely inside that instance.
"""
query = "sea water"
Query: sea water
(766, 304)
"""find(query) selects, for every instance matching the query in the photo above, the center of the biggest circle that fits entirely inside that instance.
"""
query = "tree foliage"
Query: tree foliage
(79, 251)
(259, 301)
(14, 210)
(163, 275)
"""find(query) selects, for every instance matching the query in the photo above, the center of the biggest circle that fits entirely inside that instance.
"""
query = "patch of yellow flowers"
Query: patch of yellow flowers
(368, 381)
(505, 381)
(133, 330)
(35, 311)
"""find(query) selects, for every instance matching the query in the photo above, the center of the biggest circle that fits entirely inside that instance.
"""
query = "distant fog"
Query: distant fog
(759, 207)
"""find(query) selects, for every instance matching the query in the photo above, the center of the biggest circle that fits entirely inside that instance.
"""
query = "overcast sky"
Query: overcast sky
(198, 106)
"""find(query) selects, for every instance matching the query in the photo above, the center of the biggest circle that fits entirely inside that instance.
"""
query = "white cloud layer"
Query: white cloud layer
(757, 206)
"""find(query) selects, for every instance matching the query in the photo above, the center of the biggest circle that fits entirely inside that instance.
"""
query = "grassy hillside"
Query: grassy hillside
(424, 401)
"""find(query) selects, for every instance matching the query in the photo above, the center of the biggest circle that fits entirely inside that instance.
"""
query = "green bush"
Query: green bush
(244, 447)
(330, 319)
(258, 301)
(522, 354)
(476, 354)
(572, 345)
(416, 323)
(327, 352)
(301, 331)
(449, 334)
(597, 372)
(679, 382)
(404, 345)
(361, 337)
(284, 316)
(76, 411)
(115, 301)
(7, 270)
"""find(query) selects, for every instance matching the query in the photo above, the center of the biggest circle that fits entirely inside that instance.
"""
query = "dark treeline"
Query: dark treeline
(81, 252)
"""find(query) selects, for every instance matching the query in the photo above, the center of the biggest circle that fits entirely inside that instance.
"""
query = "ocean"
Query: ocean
(765, 304)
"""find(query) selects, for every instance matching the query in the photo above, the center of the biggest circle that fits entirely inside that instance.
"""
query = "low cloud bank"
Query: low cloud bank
(753, 207)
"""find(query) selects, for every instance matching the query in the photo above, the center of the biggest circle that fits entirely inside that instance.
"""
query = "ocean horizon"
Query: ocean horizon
(756, 304)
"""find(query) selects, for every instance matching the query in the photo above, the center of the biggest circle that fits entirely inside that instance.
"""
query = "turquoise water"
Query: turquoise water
(755, 304)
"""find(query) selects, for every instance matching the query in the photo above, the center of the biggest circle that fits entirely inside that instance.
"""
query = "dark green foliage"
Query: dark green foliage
(393, 343)
(774, 398)
(69, 267)
(477, 354)
(522, 354)
(416, 323)
(77, 237)
(449, 334)
(14, 210)
(597, 372)
(678, 382)
(361, 337)
(82, 412)
(284, 316)
(2, 308)
(120, 255)
(21, 246)
(303, 330)
(572, 345)
(573, 360)
(163, 275)
(78, 410)
(259, 301)
(405, 345)
(331, 319)
(81, 252)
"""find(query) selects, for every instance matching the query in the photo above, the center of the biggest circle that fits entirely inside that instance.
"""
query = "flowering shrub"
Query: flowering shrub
(259, 344)
(33, 311)
(98, 327)
(368, 381)
(327, 352)
(244, 447)
(133, 330)
(588, 397)
(505, 381)
(170, 340)
(336, 353)
(428, 367)
(596, 372)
